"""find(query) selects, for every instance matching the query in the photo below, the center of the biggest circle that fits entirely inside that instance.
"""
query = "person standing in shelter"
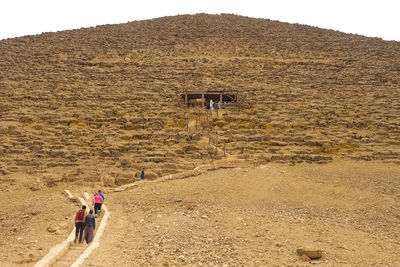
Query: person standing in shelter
(98, 201)
(211, 105)
(219, 105)
(80, 218)
(142, 174)
(90, 226)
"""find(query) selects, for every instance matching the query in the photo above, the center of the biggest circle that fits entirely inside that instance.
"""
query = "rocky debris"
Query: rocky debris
(74, 199)
(34, 187)
(109, 181)
(306, 101)
(304, 257)
(311, 253)
(24, 258)
(53, 229)
(150, 175)
(256, 216)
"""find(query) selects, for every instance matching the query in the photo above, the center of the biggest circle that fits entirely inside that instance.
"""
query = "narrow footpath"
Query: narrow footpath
(68, 253)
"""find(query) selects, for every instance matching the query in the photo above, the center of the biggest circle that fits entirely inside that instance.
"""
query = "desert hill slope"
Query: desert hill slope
(103, 102)
(87, 109)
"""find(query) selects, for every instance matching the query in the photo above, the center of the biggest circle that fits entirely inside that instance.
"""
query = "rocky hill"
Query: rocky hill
(98, 104)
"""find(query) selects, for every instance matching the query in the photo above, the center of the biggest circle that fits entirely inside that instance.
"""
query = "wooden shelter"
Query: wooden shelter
(202, 98)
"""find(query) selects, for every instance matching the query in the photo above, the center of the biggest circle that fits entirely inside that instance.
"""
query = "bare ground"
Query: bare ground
(258, 216)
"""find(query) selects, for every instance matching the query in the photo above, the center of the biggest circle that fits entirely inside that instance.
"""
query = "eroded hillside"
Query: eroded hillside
(101, 102)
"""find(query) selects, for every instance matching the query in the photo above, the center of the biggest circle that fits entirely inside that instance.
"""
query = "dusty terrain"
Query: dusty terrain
(87, 109)
(31, 222)
(258, 217)
(240, 216)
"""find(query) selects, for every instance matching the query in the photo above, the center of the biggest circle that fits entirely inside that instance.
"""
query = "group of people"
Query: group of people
(85, 223)
(219, 105)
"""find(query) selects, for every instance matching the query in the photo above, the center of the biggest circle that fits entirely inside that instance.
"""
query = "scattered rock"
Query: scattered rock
(109, 181)
(312, 253)
(34, 187)
(122, 181)
(53, 229)
(304, 257)
(150, 175)
(74, 200)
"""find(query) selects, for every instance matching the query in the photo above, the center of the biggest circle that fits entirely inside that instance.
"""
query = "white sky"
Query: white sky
(379, 18)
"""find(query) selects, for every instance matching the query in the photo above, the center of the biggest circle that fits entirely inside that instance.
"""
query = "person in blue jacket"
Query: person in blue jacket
(102, 196)
(142, 175)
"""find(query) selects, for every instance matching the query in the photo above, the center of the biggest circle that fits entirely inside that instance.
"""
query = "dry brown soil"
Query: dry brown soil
(258, 217)
(239, 216)
(87, 109)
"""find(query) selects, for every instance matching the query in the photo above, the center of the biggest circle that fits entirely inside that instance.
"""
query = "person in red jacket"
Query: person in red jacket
(80, 218)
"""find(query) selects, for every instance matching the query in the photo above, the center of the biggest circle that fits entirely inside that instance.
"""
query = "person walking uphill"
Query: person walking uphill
(102, 196)
(90, 226)
(80, 219)
(142, 175)
(98, 200)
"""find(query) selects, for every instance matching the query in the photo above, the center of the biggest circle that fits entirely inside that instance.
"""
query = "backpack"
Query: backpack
(80, 214)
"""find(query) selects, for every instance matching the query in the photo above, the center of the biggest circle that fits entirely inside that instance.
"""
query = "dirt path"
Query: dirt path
(68, 252)
(73, 250)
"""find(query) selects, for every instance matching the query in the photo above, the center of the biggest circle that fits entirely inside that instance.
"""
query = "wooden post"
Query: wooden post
(202, 100)
(187, 122)
(186, 97)
(224, 150)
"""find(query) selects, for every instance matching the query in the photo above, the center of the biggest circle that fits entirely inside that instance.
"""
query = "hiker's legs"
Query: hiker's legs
(76, 231)
(97, 208)
(82, 226)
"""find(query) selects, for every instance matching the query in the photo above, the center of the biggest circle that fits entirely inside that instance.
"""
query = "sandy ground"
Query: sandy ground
(258, 217)
(240, 216)
(32, 221)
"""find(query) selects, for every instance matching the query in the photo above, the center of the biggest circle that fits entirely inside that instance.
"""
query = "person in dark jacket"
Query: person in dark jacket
(142, 175)
(90, 226)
